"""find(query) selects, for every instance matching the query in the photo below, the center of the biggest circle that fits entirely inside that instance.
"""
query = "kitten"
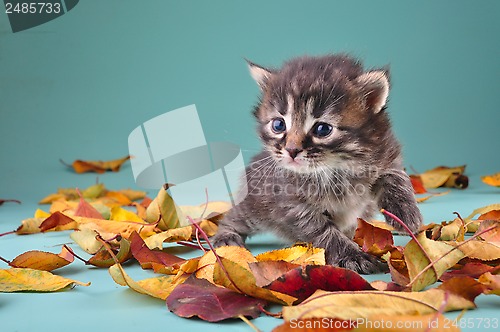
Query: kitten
(329, 158)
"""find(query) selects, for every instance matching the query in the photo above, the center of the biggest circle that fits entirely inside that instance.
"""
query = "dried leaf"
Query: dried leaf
(164, 211)
(241, 279)
(471, 269)
(23, 279)
(30, 226)
(172, 235)
(84, 209)
(492, 180)
(492, 283)
(198, 297)
(41, 260)
(57, 221)
(418, 186)
(483, 210)
(493, 235)
(397, 266)
(104, 259)
(120, 214)
(484, 251)
(372, 239)
(364, 304)
(160, 261)
(236, 254)
(2, 201)
(418, 258)
(299, 254)
(302, 282)
(316, 325)
(124, 228)
(267, 271)
(445, 176)
(99, 166)
(158, 287)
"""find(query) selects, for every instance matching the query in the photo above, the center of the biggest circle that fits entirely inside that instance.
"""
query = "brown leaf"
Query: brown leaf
(57, 221)
(491, 282)
(99, 166)
(160, 261)
(41, 260)
(373, 240)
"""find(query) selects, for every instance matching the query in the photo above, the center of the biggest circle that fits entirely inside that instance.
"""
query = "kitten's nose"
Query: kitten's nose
(293, 152)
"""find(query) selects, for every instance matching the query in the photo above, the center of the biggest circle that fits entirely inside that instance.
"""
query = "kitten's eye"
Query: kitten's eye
(322, 129)
(278, 125)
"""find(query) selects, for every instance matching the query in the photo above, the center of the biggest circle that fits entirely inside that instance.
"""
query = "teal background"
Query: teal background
(75, 87)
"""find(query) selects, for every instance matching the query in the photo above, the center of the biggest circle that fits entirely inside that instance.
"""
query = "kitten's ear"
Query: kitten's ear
(375, 86)
(260, 74)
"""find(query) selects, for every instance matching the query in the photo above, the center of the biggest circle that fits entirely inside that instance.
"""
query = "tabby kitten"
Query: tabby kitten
(329, 158)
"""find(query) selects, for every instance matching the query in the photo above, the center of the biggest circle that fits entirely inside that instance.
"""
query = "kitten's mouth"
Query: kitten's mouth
(298, 165)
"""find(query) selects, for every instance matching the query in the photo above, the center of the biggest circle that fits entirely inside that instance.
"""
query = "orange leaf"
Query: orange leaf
(492, 180)
(41, 260)
(374, 240)
(99, 166)
(417, 184)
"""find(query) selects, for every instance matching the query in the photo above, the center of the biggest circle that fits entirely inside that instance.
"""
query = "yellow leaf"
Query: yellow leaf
(41, 260)
(23, 279)
(242, 279)
(120, 214)
(417, 259)
(172, 235)
(364, 304)
(164, 211)
(98, 166)
(51, 198)
(204, 210)
(124, 228)
(482, 250)
(492, 282)
(233, 253)
(30, 226)
(302, 255)
(438, 176)
(41, 214)
(492, 180)
(86, 239)
(158, 287)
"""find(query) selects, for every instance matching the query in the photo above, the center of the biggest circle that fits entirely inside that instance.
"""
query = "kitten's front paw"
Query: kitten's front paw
(409, 214)
(363, 263)
(227, 239)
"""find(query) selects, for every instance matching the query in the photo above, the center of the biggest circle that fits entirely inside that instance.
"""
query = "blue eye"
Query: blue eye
(322, 129)
(278, 125)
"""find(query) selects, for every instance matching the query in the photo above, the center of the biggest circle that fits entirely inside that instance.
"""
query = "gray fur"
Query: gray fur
(318, 195)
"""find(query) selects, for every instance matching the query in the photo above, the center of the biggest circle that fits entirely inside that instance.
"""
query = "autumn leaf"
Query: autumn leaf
(159, 261)
(492, 283)
(298, 254)
(124, 228)
(164, 211)
(302, 282)
(492, 180)
(104, 259)
(418, 255)
(171, 235)
(417, 184)
(266, 272)
(99, 166)
(2, 201)
(316, 325)
(364, 304)
(239, 278)
(397, 266)
(57, 221)
(198, 297)
(374, 240)
(236, 254)
(471, 269)
(157, 287)
(84, 209)
(483, 210)
(41, 260)
(31, 280)
(493, 234)
(443, 176)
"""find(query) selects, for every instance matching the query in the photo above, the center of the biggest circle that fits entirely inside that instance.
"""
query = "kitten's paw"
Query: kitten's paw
(409, 214)
(363, 263)
(227, 239)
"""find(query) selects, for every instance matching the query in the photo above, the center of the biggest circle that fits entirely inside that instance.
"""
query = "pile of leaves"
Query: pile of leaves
(114, 227)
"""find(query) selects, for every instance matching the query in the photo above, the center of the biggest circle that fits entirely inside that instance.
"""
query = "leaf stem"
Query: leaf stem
(271, 314)
(399, 221)
(249, 323)
(205, 236)
(76, 256)
(189, 244)
(7, 233)
(4, 260)
(432, 263)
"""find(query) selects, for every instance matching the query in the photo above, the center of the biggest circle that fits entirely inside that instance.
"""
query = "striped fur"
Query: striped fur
(312, 188)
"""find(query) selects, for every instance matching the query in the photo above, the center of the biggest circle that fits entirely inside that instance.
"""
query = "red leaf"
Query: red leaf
(471, 269)
(303, 281)
(84, 209)
(151, 258)
(418, 185)
(374, 240)
(198, 297)
(54, 220)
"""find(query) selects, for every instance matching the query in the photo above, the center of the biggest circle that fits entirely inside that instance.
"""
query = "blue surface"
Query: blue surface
(75, 87)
